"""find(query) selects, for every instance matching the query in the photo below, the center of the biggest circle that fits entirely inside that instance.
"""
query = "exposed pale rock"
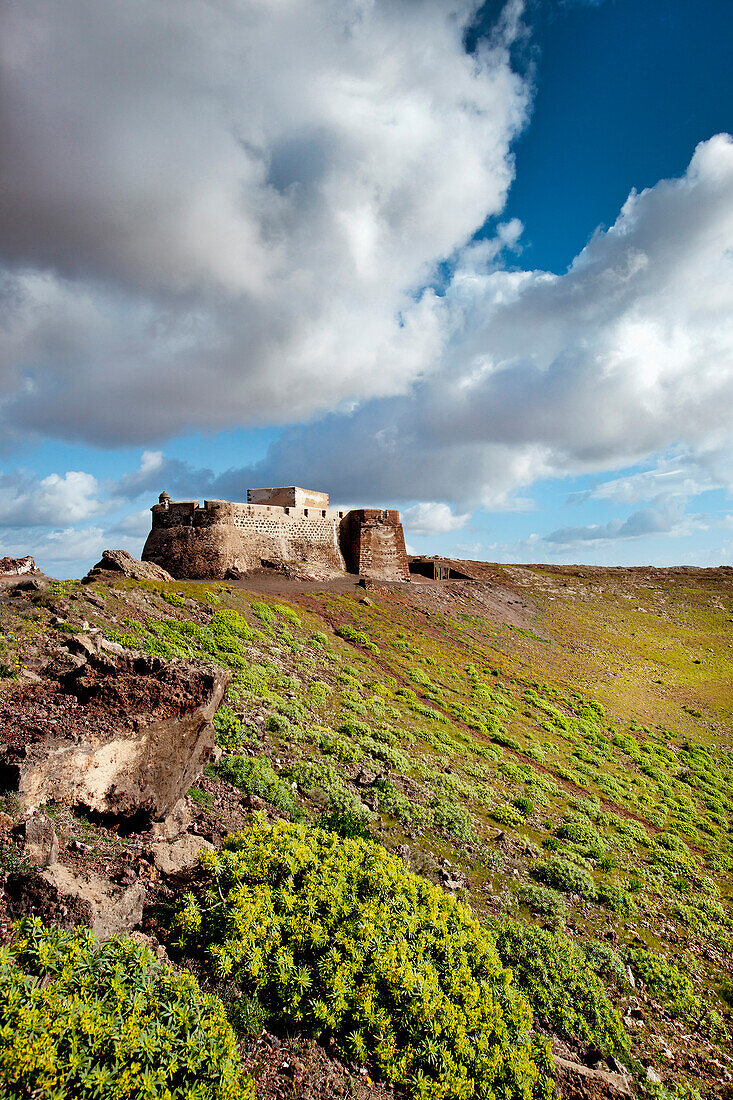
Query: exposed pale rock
(575, 1080)
(68, 898)
(39, 840)
(17, 567)
(180, 855)
(177, 821)
(133, 736)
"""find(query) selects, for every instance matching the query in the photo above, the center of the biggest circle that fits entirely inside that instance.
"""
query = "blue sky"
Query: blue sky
(477, 266)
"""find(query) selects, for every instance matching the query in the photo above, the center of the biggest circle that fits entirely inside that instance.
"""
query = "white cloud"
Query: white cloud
(136, 525)
(54, 500)
(668, 521)
(628, 354)
(677, 475)
(217, 214)
(432, 518)
(55, 551)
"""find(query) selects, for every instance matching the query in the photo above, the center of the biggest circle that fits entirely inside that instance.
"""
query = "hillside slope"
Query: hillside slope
(553, 745)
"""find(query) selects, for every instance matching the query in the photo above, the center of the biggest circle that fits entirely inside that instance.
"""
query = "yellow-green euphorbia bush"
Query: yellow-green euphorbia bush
(337, 938)
(80, 1020)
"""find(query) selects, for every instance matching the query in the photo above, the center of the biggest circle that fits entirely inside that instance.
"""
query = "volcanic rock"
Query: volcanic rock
(180, 855)
(38, 837)
(17, 567)
(122, 564)
(127, 734)
(67, 898)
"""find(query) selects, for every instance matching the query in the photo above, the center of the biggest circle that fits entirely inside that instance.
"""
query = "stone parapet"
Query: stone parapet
(227, 538)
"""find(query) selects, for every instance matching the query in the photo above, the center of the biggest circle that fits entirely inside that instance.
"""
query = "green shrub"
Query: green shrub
(542, 900)
(230, 731)
(175, 599)
(336, 937)
(606, 963)
(255, 775)
(80, 1019)
(566, 877)
(345, 823)
(356, 637)
(524, 805)
(321, 776)
(506, 815)
(340, 747)
(288, 613)
(583, 836)
(663, 980)
(264, 612)
(452, 818)
(394, 802)
(617, 899)
(560, 984)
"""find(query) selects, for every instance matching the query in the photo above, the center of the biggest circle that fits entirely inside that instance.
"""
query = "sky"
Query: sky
(474, 261)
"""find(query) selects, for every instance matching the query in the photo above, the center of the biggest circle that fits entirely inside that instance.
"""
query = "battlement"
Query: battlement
(275, 527)
(189, 513)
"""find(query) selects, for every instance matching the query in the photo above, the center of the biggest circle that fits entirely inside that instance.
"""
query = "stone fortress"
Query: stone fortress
(285, 527)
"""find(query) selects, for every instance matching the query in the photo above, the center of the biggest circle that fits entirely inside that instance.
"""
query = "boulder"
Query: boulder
(66, 898)
(578, 1082)
(121, 564)
(177, 822)
(38, 838)
(180, 855)
(127, 735)
(17, 567)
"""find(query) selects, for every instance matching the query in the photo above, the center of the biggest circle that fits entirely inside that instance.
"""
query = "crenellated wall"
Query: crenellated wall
(224, 538)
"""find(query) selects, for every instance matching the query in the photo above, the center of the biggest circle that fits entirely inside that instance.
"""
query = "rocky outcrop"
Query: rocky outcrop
(120, 733)
(66, 898)
(178, 855)
(38, 838)
(120, 563)
(17, 567)
(578, 1082)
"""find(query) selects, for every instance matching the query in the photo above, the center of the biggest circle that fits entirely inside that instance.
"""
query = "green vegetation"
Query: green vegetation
(576, 773)
(335, 937)
(560, 983)
(254, 775)
(663, 980)
(566, 877)
(80, 1020)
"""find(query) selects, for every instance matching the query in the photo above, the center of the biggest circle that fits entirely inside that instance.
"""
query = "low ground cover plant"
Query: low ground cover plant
(565, 876)
(83, 1020)
(255, 775)
(337, 939)
(560, 983)
(664, 981)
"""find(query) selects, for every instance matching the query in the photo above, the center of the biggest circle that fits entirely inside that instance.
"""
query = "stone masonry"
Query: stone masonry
(276, 527)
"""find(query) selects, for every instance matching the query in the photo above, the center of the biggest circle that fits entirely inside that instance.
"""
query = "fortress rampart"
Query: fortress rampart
(224, 539)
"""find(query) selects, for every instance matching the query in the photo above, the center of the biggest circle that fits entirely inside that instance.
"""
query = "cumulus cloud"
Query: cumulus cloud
(55, 551)
(627, 354)
(432, 518)
(647, 521)
(226, 214)
(679, 474)
(54, 500)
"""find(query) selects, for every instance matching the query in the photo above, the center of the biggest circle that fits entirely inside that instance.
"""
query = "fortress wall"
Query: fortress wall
(208, 542)
(373, 544)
